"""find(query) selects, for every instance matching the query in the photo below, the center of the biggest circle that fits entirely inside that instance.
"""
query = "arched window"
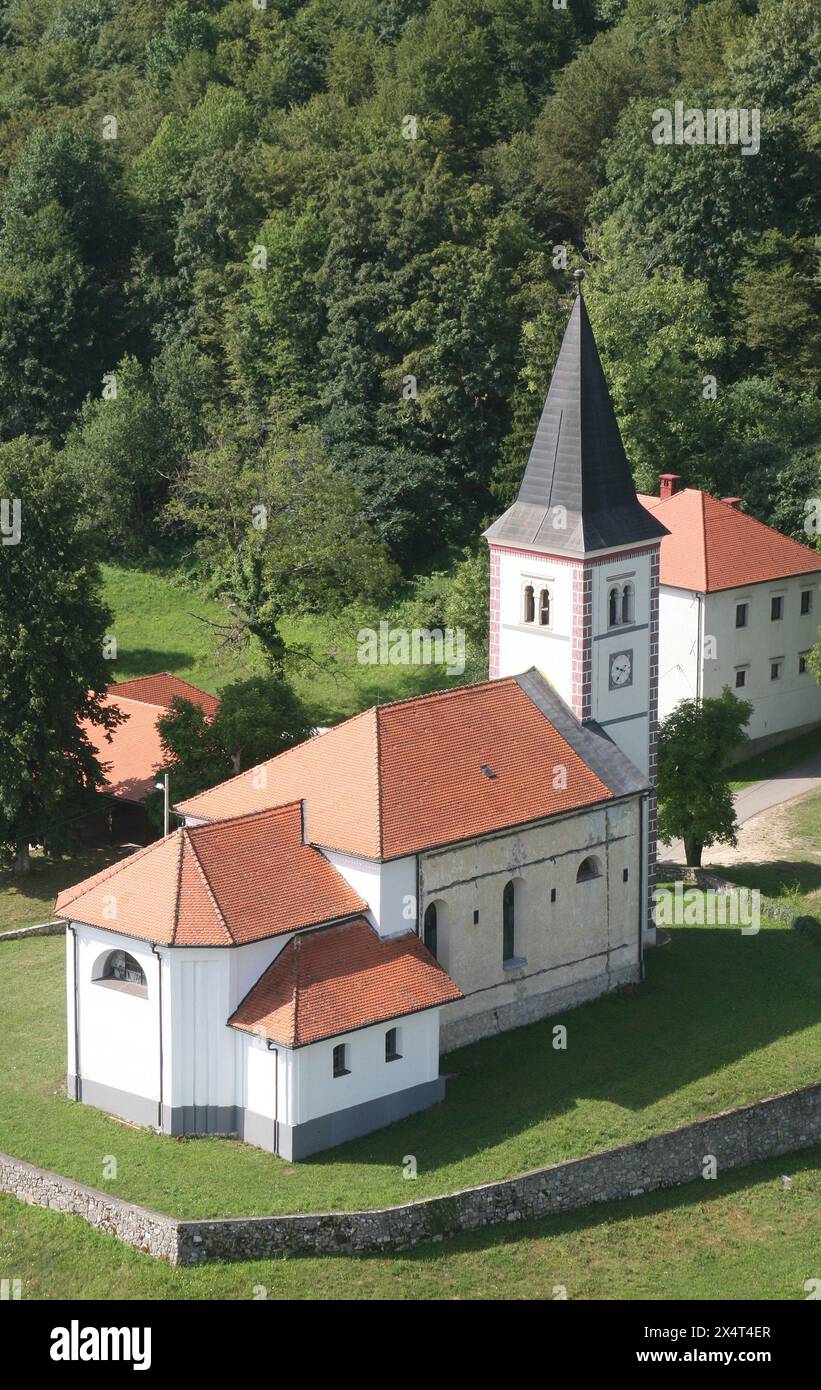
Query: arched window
(508, 921)
(122, 971)
(627, 604)
(529, 605)
(430, 928)
(613, 608)
(589, 868)
(544, 608)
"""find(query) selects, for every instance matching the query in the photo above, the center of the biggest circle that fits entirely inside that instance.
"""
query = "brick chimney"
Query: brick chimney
(732, 501)
(669, 483)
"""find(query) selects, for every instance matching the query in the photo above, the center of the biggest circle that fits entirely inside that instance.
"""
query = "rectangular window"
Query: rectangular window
(806, 601)
(775, 670)
(553, 895)
(776, 608)
(742, 611)
(475, 916)
(392, 1053)
(802, 663)
(625, 874)
(740, 679)
(341, 1067)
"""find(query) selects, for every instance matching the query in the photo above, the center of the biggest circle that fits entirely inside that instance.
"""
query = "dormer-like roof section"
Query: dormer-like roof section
(226, 884)
(577, 494)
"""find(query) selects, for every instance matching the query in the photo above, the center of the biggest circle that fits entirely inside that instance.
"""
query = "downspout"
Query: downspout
(158, 958)
(700, 652)
(76, 1010)
(642, 880)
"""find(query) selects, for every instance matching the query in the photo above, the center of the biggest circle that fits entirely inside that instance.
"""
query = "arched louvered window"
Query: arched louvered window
(613, 608)
(528, 605)
(544, 608)
(627, 604)
(120, 970)
(430, 928)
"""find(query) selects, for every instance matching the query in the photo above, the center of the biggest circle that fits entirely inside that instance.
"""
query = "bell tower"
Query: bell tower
(574, 565)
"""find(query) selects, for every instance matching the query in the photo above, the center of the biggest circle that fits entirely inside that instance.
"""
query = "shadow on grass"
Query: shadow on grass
(146, 661)
(776, 878)
(711, 999)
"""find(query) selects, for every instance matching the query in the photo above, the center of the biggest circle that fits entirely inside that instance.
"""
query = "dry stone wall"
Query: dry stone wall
(735, 1138)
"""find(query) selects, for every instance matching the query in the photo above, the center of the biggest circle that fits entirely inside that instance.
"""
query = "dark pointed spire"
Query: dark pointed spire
(577, 470)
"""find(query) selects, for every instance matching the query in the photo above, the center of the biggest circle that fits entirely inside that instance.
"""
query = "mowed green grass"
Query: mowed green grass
(163, 625)
(721, 1020)
(26, 900)
(741, 1236)
(774, 762)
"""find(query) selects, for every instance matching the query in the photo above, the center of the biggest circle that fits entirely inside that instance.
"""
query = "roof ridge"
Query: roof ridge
(765, 525)
(178, 892)
(377, 722)
(295, 984)
(704, 547)
(243, 815)
(210, 891)
(449, 692)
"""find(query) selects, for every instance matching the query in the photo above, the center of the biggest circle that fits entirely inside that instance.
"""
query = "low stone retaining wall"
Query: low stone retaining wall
(778, 1125)
(145, 1230)
(44, 929)
(774, 908)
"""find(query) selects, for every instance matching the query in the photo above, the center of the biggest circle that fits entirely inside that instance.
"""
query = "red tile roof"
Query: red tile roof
(161, 690)
(135, 750)
(333, 981)
(217, 885)
(712, 545)
(407, 776)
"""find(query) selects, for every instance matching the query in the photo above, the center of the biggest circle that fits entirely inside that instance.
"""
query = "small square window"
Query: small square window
(553, 895)
(341, 1067)
(475, 916)
(776, 608)
(775, 670)
(740, 680)
(806, 601)
(625, 874)
(802, 664)
(742, 611)
(392, 1053)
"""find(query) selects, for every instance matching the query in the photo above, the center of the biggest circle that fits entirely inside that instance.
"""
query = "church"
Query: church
(288, 965)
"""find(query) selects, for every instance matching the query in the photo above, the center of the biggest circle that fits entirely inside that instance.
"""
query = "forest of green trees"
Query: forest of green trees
(311, 262)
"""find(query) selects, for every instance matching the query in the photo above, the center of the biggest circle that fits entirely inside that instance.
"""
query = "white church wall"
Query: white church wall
(678, 647)
(791, 701)
(118, 1030)
(388, 888)
(587, 937)
(202, 1071)
(623, 710)
(523, 645)
(317, 1092)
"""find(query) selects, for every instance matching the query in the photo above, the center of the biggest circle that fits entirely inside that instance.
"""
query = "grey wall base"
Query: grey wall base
(294, 1141)
(760, 745)
(458, 1032)
(298, 1141)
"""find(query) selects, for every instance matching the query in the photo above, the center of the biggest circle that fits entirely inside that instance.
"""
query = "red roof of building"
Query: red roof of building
(134, 751)
(216, 885)
(403, 777)
(712, 545)
(333, 981)
(162, 689)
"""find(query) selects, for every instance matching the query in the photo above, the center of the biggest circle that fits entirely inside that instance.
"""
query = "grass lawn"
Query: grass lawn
(797, 878)
(775, 761)
(722, 1019)
(158, 625)
(742, 1236)
(26, 901)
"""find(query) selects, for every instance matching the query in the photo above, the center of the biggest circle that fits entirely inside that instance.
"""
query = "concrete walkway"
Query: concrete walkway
(752, 800)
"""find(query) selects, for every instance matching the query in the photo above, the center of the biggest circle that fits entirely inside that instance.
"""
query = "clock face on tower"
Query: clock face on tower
(621, 669)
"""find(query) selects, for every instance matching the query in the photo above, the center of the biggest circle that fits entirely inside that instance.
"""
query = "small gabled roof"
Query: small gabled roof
(341, 978)
(428, 771)
(577, 463)
(134, 749)
(711, 545)
(227, 884)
